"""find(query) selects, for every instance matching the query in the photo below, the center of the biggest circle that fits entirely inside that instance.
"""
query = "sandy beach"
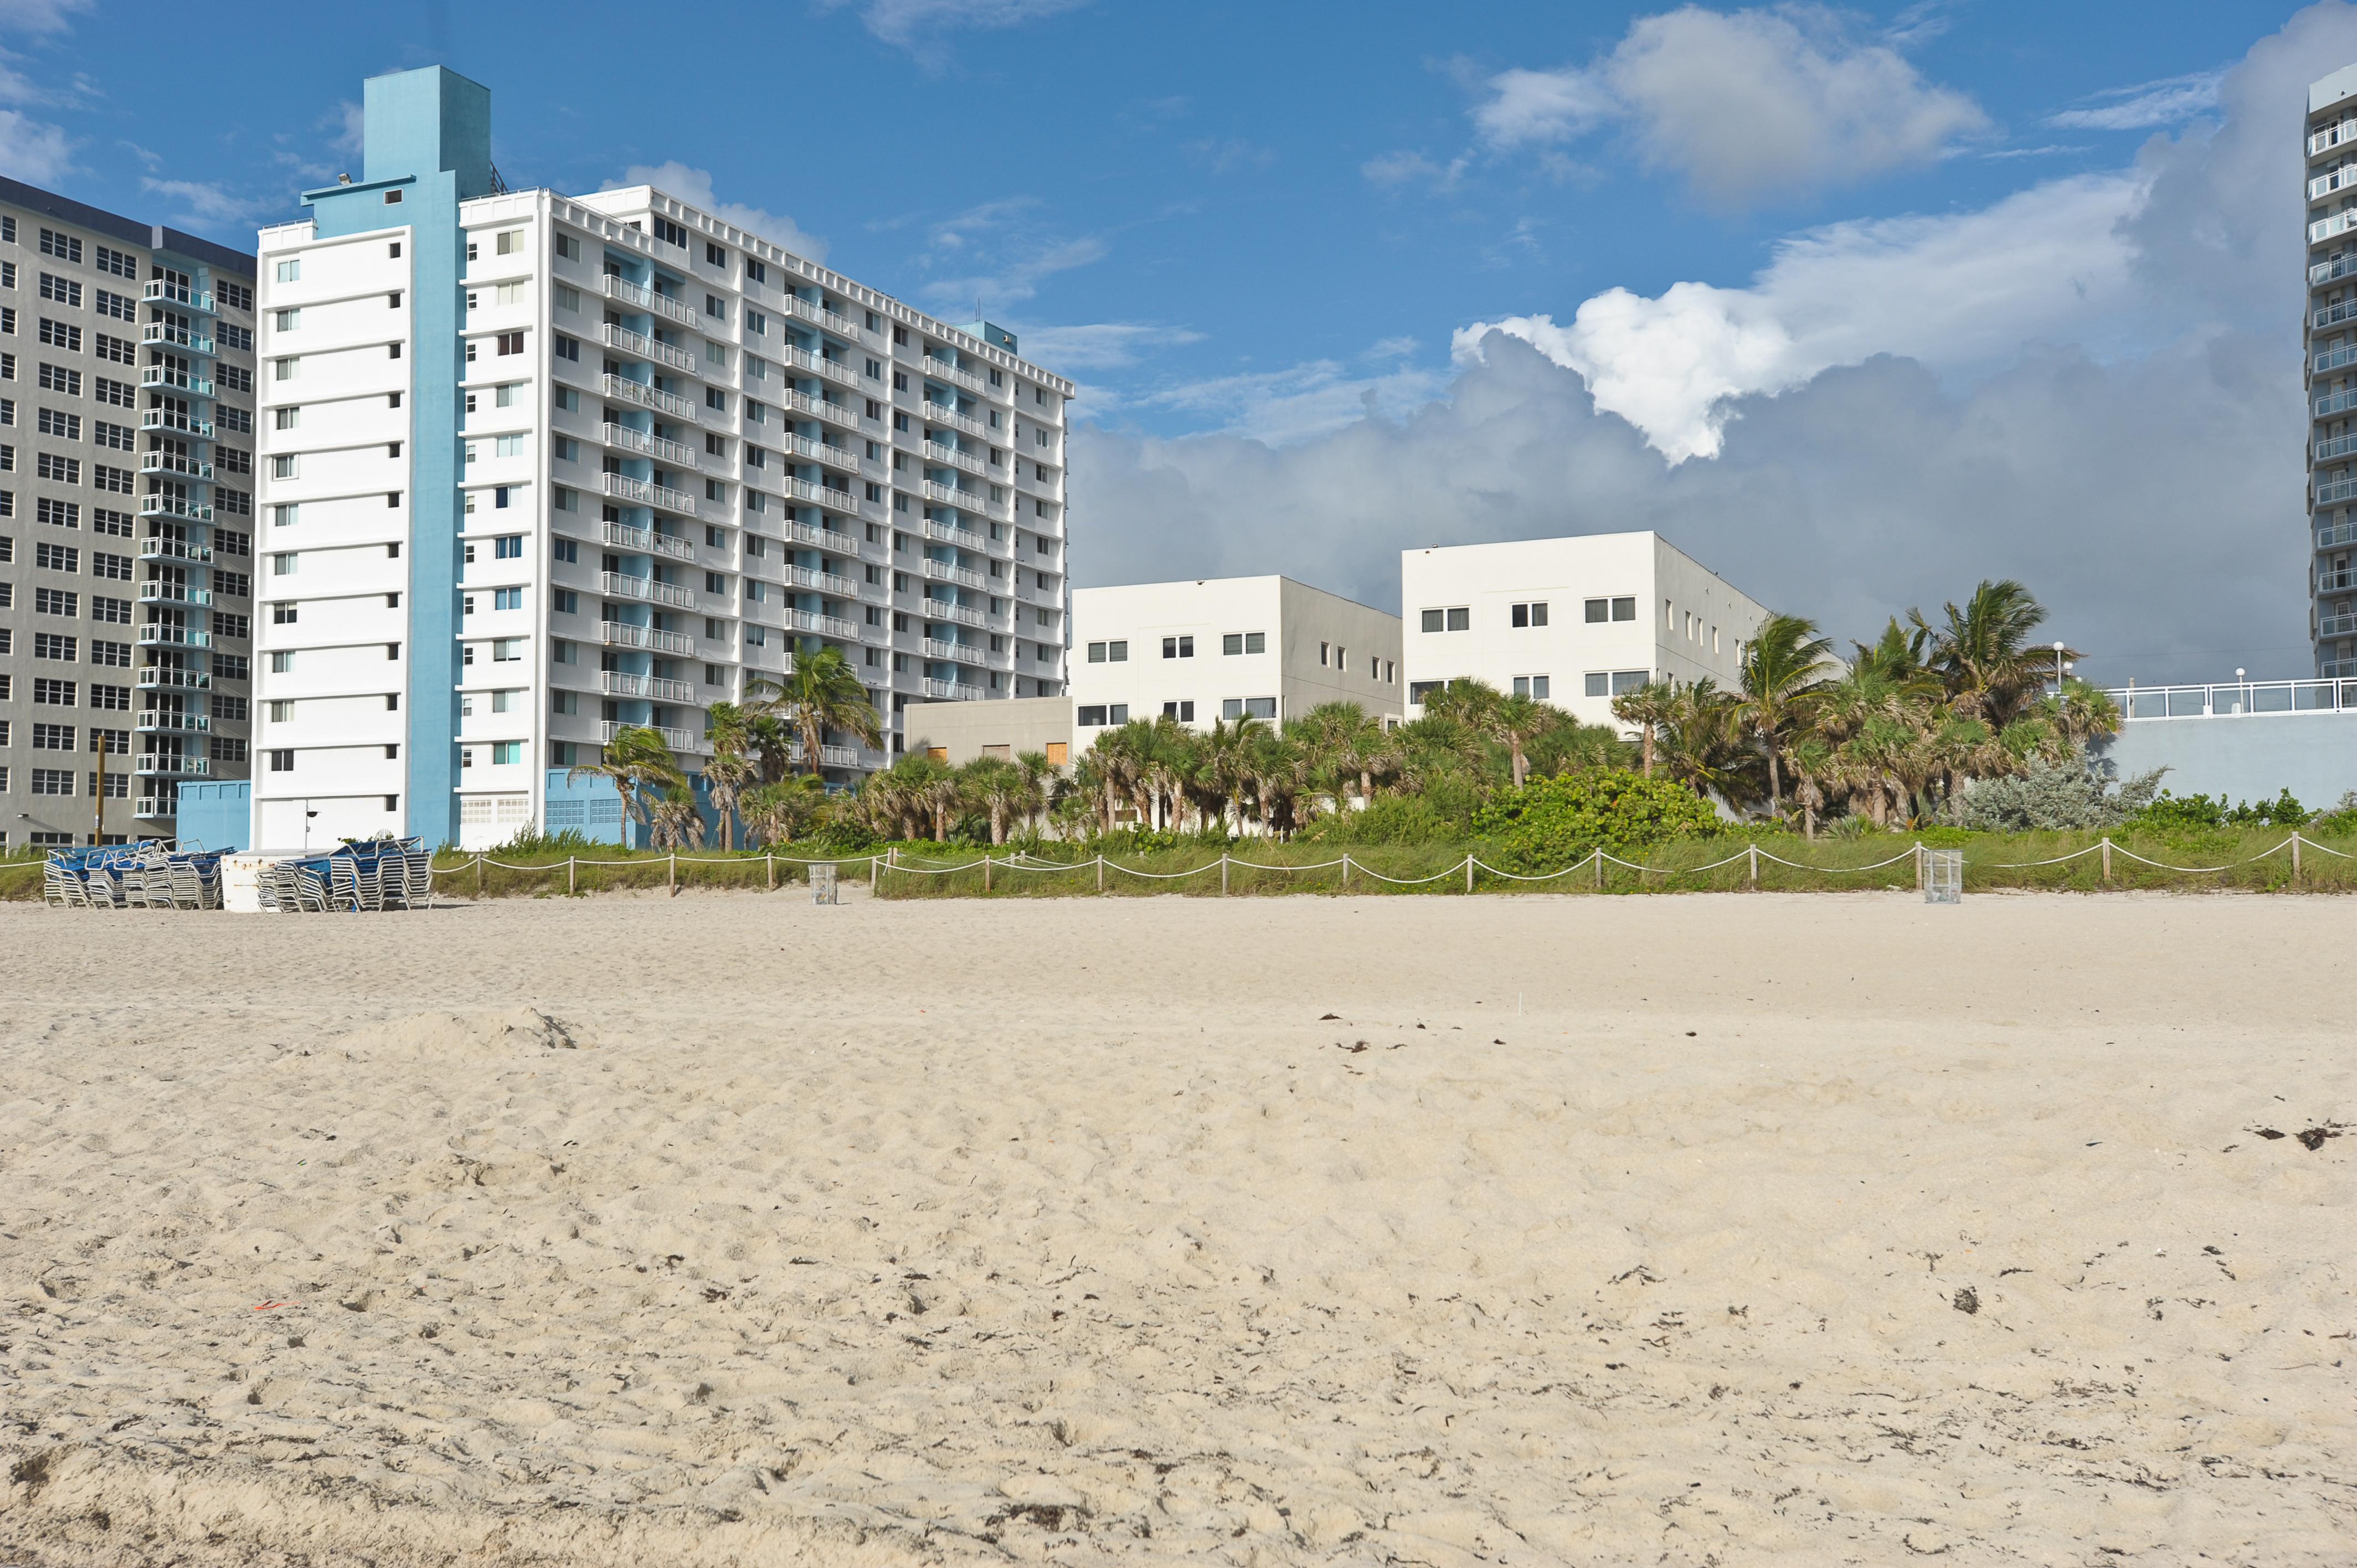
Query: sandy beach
(730, 1230)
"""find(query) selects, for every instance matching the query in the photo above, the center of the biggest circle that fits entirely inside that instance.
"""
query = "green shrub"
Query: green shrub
(1550, 823)
(1388, 819)
(2181, 811)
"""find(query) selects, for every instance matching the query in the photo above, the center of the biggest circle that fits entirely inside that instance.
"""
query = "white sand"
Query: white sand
(1069, 1231)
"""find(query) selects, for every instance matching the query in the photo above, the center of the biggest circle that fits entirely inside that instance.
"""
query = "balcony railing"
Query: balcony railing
(677, 739)
(2241, 699)
(795, 305)
(965, 615)
(646, 540)
(662, 449)
(2336, 402)
(646, 492)
(937, 453)
(2336, 626)
(162, 291)
(171, 506)
(655, 688)
(173, 550)
(2324, 229)
(962, 653)
(828, 755)
(818, 364)
(2332, 492)
(819, 452)
(944, 572)
(648, 300)
(842, 413)
(167, 419)
(178, 380)
(823, 625)
(2334, 446)
(943, 414)
(821, 582)
(2336, 536)
(951, 691)
(157, 678)
(620, 634)
(2326, 272)
(169, 335)
(951, 533)
(157, 720)
(646, 396)
(951, 495)
(173, 636)
(825, 538)
(2332, 136)
(620, 586)
(646, 348)
(2335, 582)
(165, 762)
(957, 376)
(173, 594)
(173, 463)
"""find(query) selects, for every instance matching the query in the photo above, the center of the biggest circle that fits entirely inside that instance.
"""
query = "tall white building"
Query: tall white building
(1573, 621)
(2332, 369)
(1227, 647)
(537, 467)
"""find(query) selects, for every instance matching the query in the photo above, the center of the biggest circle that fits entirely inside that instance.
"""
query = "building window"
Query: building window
(1417, 690)
(1457, 617)
(281, 761)
(1244, 642)
(1531, 686)
(1178, 648)
(1534, 613)
(1183, 711)
(1091, 716)
(1602, 610)
(1614, 683)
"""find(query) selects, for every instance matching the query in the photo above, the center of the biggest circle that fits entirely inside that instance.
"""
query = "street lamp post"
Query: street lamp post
(2059, 650)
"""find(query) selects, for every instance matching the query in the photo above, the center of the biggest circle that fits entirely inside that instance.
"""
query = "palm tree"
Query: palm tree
(1043, 780)
(1648, 707)
(782, 812)
(1514, 722)
(1000, 788)
(821, 693)
(674, 823)
(1782, 671)
(730, 731)
(1702, 742)
(636, 762)
(1982, 652)
(1815, 766)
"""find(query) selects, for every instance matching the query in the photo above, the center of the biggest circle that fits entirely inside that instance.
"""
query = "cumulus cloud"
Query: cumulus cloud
(693, 186)
(33, 150)
(1748, 106)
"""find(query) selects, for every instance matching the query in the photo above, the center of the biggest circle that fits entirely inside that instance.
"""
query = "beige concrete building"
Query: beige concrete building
(958, 732)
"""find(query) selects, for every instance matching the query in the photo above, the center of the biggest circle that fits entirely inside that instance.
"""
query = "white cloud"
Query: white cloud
(693, 186)
(349, 121)
(912, 24)
(1278, 408)
(1412, 168)
(1100, 346)
(33, 151)
(1748, 107)
(202, 201)
(1020, 278)
(41, 16)
(1954, 292)
(2153, 104)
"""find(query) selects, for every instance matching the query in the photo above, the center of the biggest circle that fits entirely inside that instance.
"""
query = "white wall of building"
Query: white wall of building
(1596, 612)
(1266, 646)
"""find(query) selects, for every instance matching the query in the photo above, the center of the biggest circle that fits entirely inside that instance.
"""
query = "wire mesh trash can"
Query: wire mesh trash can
(1943, 876)
(822, 881)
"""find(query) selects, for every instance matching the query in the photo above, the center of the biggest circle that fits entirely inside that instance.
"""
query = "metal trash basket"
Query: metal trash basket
(1943, 876)
(822, 881)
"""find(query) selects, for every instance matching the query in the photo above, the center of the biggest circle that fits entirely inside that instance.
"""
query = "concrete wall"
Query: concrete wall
(216, 816)
(2244, 756)
(961, 730)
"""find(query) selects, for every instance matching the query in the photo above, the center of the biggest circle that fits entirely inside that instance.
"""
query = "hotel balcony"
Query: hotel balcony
(821, 625)
(840, 413)
(677, 739)
(2332, 492)
(958, 457)
(951, 495)
(178, 424)
(166, 376)
(655, 688)
(173, 636)
(616, 585)
(818, 364)
(645, 348)
(962, 653)
(951, 691)
(2326, 272)
(157, 678)
(155, 720)
(660, 447)
(951, 533)
(828, 755)
(943, 572)
(645, 396)
(2334, 446)
(821, 582)
(174, 507)
(170, 766)
(819, 452)
(173, 550)
(173, 594)
(2324, 229)
(955, 375)
(2332, 136)
(172, 463)
(646, 540)
(965, 615)
(646, 492)
(2325, 184)
(795, 305)
(620, 634)
(2336, 402)
(2337, 625)
(162, 291)
(648, 300)
(943, 414)
(165, 335)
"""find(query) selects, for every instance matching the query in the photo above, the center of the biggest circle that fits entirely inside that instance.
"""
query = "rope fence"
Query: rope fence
(1469, 869)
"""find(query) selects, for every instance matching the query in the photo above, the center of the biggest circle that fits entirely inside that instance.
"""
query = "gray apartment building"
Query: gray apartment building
(126, 506)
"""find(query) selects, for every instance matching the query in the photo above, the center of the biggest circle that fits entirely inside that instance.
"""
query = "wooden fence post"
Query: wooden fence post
(875, 864)
(770, 859)
(569, 878)
(2108, 857)
(1755, 868)
(478, 874)
(1101, 873)
(674, 874)
(1469, 874)
(2295, 852)
(985, 873)
(1599, 858)
(1223, 874)
(1346, 868)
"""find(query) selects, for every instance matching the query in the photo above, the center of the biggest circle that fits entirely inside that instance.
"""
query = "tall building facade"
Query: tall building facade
(538, 468)
(2331, 339)
(1574, 621)
(126, 501)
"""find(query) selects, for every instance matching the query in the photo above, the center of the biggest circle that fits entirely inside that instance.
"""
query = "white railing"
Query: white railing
(620, 586)
(2325, 184)
(823, 625)
(646, 540)
(937, 453)
(2336, 536)
(2324, 229)
(167, 419)
(936, 366)
(2336, 402)
(646, 492)
(177, 336)
(2332, 136)
(943, 572)
(165, 762)
(828, 755)
(962, 653)
(2337, 625)
(2335, 446)
(647, 396)
(153, 678)
(951, 691)
(657, 688)
(2337, 267)
(174, 506)
(937, 491)
(2332, 359)
(660, 447)
(950, 533)
(965, 615)
(173, 636)
(941, 413)
(2336, 312)
(647, 347)
(819, 408)
(648, 300)
(173, 463)
(172, 550)
(179, 381)
(173, 594)
(795, 305)
(2241, 699)
(162, 291)
(2332, 492)
(825, 538)
(818, 364)
(620, 634)
(821, 582)
(819, 452)
(677, 739)
(156, 719)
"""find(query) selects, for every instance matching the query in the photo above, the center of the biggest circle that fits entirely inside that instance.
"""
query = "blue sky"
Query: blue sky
(1272, 242)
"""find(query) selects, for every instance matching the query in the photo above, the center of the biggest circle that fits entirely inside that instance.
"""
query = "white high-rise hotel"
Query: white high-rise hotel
(536, 468)
(2331, 312)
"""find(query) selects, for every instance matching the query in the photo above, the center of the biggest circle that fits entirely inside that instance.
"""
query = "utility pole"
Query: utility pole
(99, 837)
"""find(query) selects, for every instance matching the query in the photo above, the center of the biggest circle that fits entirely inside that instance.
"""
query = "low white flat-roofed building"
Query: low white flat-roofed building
(1265, 648)
(1573, 621)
